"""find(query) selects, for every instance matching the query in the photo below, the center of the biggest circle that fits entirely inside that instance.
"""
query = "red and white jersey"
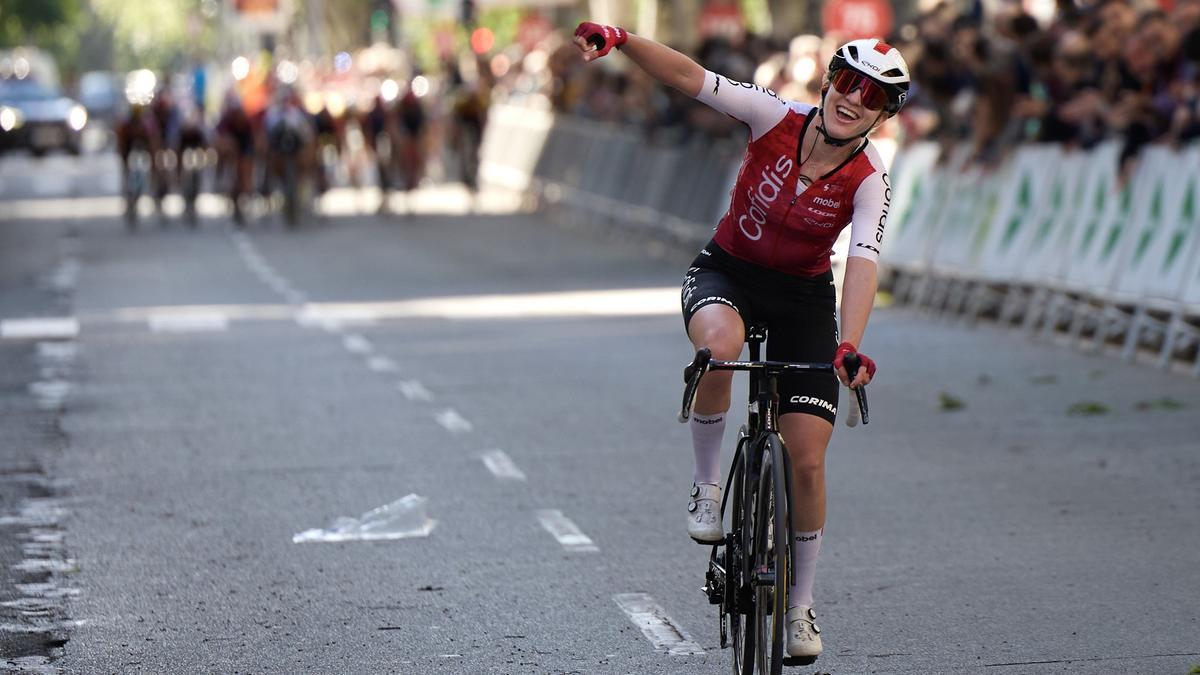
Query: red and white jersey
(774, 219)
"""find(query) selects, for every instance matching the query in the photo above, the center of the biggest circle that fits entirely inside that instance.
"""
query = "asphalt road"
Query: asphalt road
(228, 391)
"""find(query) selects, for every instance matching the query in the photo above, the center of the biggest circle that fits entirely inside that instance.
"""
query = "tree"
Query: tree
(52, 25)
(27, 22)
(156, 34)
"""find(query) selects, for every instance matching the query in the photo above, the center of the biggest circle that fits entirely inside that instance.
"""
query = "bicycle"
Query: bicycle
(192, 164)
(137, 178)
(748, 574)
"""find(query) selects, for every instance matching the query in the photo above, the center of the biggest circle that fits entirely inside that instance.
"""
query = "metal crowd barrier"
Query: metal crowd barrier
(1057, 243)
(612, 174)
(1053, 242)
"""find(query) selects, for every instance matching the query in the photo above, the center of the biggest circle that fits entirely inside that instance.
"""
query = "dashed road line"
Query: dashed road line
(413, 390)
(50, 394)
(381, 364)
(660, 629)
(65, 276)
(566, 532)
(46, 328)
(453, 422)
(57, 352)
(357, 344)
(501, 465)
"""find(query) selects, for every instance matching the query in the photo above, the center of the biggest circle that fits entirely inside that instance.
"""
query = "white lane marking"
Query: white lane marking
(33, 566)
(413, 390)
(188, 322)
(454, 422)
(41, 627)
(50, 394)
(258, 267)
(381, 364)
(614, 302)
(49, 328)
(57, 352)
(501, 465)
(335, 315)
(47, 590)
(66, 275)
(566, 532)
(55, 359)
(327, 325)
(38, 512)
(357, 344)
(659, 629)
(31, 606)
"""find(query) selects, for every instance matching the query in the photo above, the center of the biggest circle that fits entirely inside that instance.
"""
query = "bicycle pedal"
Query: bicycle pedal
(799, 660)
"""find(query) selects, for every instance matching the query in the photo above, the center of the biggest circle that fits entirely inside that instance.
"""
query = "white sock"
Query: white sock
(808, 545)
(707, 431)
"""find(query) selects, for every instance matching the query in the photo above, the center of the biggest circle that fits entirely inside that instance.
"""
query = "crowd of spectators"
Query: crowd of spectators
(1109, 69)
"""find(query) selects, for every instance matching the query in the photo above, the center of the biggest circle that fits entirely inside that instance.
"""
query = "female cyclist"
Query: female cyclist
(808, 172)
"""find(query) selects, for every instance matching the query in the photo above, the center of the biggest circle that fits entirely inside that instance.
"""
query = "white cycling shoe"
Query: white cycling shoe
(803, 635)
(704, 513)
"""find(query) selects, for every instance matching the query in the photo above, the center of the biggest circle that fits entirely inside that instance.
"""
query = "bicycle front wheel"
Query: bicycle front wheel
(772, 559)
(739, 597)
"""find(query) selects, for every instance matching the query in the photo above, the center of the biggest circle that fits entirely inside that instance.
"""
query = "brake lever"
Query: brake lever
(852, 363)
(691, 377)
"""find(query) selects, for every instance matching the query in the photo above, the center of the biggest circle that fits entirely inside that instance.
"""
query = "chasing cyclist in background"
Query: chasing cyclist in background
(380, 134)
(138, 130)
(412, 121)
(468, 113)
(236, 146)
(808, 172)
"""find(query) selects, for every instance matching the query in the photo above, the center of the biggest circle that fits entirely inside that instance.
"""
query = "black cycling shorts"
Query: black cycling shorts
(799, 312)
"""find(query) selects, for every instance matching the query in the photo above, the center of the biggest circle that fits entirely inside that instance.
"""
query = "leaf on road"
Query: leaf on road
(1088, 408)
(1165, 403)
(950, 402)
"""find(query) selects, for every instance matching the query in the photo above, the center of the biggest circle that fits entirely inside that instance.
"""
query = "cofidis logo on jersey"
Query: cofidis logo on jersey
(762, 196)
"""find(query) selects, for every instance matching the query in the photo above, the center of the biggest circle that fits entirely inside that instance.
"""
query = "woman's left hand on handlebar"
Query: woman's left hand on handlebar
(865, 371)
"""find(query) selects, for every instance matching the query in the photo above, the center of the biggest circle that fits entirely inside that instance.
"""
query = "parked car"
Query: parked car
(38, 117)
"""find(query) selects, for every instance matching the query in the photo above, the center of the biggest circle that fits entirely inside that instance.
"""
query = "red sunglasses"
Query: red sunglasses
(846, 80)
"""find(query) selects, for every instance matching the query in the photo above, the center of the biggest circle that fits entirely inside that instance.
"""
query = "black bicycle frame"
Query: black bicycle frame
(762, 422)
(763, 415)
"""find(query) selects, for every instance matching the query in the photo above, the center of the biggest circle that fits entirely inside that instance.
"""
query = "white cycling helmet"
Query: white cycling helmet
(879, 61)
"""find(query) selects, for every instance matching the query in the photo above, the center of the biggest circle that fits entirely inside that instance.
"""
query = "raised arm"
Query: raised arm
(757, 107)
(658, 60)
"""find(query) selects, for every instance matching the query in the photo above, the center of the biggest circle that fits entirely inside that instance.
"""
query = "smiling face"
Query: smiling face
(846, 113)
